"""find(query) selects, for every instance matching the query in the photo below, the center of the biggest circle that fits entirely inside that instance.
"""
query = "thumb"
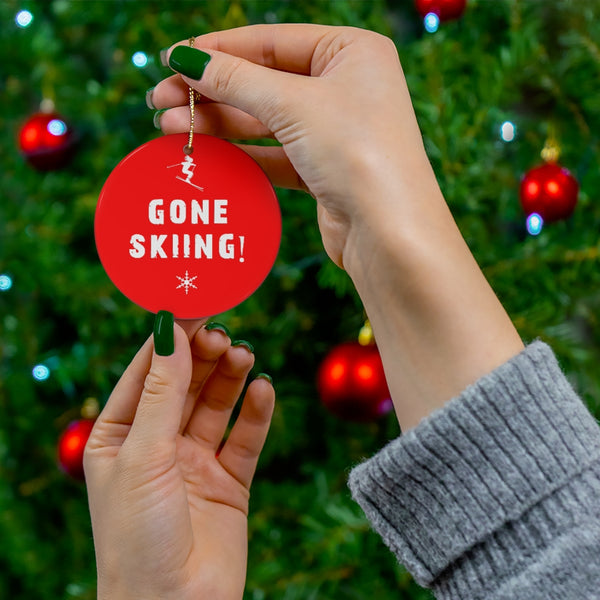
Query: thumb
(255, 89)
(159, 412)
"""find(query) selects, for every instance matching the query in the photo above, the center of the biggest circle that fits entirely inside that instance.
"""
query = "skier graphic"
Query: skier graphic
(187, 168)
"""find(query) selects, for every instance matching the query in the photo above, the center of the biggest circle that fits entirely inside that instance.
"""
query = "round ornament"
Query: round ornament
(46, 141)
(446, 10)
(352, 384)
(550, 191)
(194, 234)
(71, 446)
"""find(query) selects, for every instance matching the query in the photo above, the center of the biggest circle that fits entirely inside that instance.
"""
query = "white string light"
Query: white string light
(508, 131)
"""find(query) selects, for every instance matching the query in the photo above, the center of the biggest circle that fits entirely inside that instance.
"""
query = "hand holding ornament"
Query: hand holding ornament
(336, 100)
(168, 505)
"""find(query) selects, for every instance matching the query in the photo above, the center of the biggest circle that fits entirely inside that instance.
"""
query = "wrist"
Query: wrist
(396, 217)
(437, 322)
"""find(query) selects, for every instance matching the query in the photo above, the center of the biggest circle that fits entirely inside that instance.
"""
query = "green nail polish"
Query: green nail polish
(157, 115)
(189, 61)
(265, 376)
(164, 340)
(218, 327)
(149, 102)
(244, 343)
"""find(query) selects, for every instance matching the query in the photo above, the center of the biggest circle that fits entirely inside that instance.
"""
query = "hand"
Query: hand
(337, 101)
(169, 512)
(334, 97)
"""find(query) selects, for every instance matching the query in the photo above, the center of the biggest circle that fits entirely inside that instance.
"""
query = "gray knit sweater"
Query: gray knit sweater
(497, 494)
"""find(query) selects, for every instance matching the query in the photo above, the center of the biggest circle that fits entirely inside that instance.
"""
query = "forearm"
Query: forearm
(437, 322)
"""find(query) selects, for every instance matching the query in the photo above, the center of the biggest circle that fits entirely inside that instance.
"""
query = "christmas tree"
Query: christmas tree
(492, 88)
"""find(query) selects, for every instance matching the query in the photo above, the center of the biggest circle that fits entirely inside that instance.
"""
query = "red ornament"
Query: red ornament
(550, 191)
(47, 141)
(444, 9)
(194, 234)
(352, 384)
(71, 446)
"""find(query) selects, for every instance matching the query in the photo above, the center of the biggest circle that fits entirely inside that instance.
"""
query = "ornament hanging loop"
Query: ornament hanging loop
(189, 148)
(365, 336)
(90, 408)
(551, 151)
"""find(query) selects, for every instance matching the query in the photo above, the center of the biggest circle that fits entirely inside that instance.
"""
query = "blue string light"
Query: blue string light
(535, 223)
(5, 282)
(23, 19)
(431, 22)
(57, 127)
(40, 372)
(139, 59)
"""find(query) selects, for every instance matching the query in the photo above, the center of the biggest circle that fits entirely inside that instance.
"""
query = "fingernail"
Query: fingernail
(164, 337)
(163, 57)
(244, 343)
(218, 327)
(157, 115)
(189, 61)
(149, 102)
(265, 376)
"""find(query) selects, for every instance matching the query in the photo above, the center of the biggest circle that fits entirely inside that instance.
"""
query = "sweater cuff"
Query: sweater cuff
(478, 464)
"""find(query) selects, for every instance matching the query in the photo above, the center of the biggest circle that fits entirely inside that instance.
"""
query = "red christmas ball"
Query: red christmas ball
(444, 9)
(46, 141)
(71, 446)
(352, 384)
(550, 191)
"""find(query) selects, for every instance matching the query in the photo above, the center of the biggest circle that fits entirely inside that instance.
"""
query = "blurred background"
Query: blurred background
(494, 84)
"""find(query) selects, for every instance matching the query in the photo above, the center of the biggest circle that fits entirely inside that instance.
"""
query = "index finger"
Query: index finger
(286, 47)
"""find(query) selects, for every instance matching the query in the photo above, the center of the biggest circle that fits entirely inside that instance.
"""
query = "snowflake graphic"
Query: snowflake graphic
(186, 282)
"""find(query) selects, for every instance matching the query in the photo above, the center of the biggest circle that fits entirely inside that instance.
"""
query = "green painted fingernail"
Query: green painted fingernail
(149, 102)
(265, 376)
(189, 61)
(218, 327)
(164, 337)
(244, 343)
(157, 115)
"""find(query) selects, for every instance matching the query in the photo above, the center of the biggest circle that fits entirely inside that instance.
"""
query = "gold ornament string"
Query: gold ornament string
(188, 148)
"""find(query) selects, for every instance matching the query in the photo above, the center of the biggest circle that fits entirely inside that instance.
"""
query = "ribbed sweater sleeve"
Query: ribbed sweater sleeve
(497, 494)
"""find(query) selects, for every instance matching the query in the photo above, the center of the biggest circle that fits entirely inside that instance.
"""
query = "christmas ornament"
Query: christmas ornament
(549, 190)
(192, 228)
(445, 10)
(194, 234)
(352, 384)
(46, 141)
(71, 443)
(71, 446)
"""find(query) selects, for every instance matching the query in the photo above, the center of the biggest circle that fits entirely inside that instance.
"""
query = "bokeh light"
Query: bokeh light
(508, 131)
(431, 22)
(24, 18)
(40, 372)
(535, 223)
(5, 282)
(140, 59)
